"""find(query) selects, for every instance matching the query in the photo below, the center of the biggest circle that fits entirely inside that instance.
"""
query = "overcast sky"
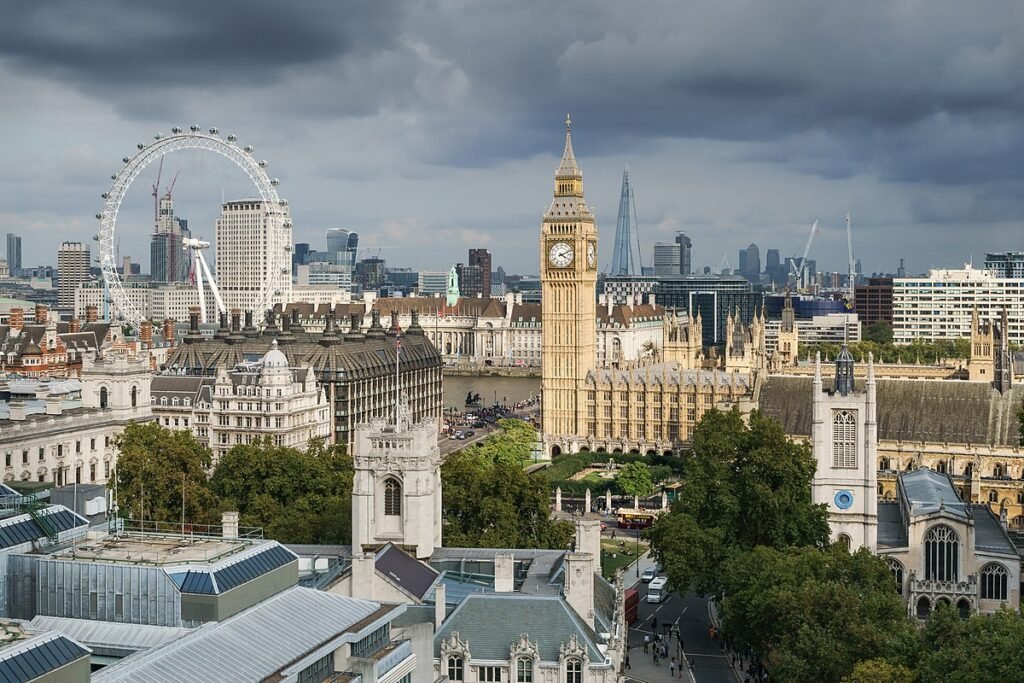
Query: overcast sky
(432, 127)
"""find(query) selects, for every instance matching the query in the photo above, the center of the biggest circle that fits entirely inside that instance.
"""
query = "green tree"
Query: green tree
(494, 504)
(978, 650)
(813, 613)
(157, 468)
(879, 332)
(879, 671)
(513, 444)
(635, 480)
(296, 496)
(745, 486)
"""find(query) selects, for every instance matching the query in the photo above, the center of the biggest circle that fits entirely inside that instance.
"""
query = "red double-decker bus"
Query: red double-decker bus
(632, 605)
(635, 519)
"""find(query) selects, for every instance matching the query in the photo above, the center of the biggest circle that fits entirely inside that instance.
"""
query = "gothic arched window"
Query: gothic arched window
(968, 469)
(883, 464)
(103, 397)
(135, 397)
(574, 671)
(993, 496)
(896, 567)
(844, 439)
(941, 554)
(998, 470)
(940, 467)
(455, 669)
(392, 497)
(524, 671)
(993, 582)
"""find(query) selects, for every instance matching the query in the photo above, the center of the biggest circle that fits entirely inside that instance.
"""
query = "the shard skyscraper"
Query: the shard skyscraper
(626, 250)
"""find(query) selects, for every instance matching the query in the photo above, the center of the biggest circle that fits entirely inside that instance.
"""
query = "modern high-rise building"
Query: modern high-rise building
(673, 258)
(168, 261)
(666, 258)
(248, 253)
(432, 282)
(750, 263)
(343, 245)
(73, 262)
(873, 301)
(481, 259)
(13, 253)
(940, 305)
(1006, 264)
(773, 267)
(471, 279)
(685, 253)
(626, 248)
(370, 273)
(299, 254)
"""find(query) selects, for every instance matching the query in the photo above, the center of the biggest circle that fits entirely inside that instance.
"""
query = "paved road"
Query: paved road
(690, 613)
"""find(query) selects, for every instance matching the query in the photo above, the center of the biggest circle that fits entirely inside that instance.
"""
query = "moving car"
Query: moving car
(648, 575)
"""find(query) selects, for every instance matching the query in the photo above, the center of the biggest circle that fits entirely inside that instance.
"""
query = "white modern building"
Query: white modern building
(939, 305)
(834, 328)
(248, 252)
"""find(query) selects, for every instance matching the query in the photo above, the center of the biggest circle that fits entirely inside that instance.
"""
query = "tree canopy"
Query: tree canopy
(491, 502)
(981, 649)
(745, 486)
(635, 479)
(920, 351)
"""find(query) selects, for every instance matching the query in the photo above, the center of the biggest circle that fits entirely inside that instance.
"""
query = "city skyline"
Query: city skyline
(400, 125)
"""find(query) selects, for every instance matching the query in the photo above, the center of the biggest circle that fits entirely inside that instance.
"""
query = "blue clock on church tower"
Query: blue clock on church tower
(843, 499)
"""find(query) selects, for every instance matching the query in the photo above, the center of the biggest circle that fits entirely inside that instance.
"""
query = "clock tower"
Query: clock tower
(568, 266)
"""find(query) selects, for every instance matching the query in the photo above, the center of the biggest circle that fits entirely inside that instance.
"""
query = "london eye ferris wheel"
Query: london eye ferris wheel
(277, 242)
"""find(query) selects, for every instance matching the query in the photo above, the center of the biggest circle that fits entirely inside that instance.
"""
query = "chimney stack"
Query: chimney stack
(54, 405)
(169, 331)
(75, 325)
(363, 570)
(17, 319)
(146, 334)
(440, 608)
(504, 573)
(579, 585)
(17, 409)
(41, 314)
(229, 524)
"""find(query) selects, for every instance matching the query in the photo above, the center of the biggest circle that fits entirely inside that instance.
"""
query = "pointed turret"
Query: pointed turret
(568, 168)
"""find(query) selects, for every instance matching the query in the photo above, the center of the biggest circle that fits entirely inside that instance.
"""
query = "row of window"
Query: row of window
(8, 457)
(523, 668)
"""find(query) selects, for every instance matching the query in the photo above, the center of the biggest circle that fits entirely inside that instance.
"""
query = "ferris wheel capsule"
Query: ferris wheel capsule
(263, 163)
(157, 136)
(214, 131)
(194, 128)
(99, 216)
(249, 149)
(105, 195)
(232, 138)
(275, 182)
(125, 160)
(113, 176)
(140, 146)
(175, 130)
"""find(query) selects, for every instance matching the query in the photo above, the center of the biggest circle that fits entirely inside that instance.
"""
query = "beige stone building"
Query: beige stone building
(590, 400)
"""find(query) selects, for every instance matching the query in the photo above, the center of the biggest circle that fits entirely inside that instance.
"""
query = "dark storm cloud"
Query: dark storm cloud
(123, 44)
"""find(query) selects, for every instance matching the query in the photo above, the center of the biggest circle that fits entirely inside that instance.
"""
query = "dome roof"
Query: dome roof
(274, 358)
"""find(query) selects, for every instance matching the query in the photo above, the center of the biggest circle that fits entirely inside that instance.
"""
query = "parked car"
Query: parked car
(479, 424)
(468, 433)
(648, 575)
(459, 435)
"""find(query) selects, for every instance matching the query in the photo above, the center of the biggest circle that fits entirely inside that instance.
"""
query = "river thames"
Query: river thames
(504, 390)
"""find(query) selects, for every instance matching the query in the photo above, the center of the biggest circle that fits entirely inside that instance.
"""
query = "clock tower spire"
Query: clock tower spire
(568, 254)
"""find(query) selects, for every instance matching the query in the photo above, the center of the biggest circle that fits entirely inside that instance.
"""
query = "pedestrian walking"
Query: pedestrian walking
(655, 656)
(693, 663)
(654, 623)
(647, 641)
(627, 660)
(672, 668)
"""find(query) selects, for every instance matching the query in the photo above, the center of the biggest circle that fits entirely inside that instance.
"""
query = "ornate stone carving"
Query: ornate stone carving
(454, 646)
(523, 648)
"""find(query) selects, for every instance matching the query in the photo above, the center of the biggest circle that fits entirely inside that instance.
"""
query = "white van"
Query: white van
(658, 590)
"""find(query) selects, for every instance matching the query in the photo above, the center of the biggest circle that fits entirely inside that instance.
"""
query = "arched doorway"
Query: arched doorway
(924, 607)
(634, 451)
(668, 454)
(584, 449)
(652, 452)
(617, 450)
(600, 449)
(556, 451)
(963, 607)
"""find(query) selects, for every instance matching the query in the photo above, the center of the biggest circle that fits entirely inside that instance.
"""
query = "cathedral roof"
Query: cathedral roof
(911, 410)
(669, 374)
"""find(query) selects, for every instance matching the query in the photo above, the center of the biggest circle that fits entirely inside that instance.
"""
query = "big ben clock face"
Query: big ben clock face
(592, 255)
(560, 255)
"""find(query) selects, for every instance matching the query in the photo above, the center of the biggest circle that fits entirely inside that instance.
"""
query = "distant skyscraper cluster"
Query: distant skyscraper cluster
(169, 262)
(674, 258)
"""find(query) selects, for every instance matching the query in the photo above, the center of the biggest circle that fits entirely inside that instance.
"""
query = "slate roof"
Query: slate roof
(405, 571)
(892, 532)
(108, 638)
(670, 374)
(926, 492)
(178, 386)
(989, 534)
(255, 644)
(234, 570)
(936, 411)
(32, 658)
(492, 622)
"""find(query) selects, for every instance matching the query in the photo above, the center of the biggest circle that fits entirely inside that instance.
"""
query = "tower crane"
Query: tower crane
(156, 192)
(798, 273)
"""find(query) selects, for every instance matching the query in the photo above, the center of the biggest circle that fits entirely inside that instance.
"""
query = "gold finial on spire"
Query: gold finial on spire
(568, 123)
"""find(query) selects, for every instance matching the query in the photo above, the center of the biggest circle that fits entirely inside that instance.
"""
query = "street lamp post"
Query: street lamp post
(638, 551)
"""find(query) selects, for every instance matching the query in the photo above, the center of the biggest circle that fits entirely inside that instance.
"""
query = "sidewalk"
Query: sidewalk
(643, 668)
(737, 661)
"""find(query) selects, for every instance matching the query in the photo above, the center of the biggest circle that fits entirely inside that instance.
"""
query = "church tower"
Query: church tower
(844, 435)
(789, 340)
(396, 493)
(568, 266)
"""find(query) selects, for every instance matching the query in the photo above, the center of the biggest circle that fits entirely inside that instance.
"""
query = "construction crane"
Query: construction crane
(156, 192)
(852, 266)
(798, 273)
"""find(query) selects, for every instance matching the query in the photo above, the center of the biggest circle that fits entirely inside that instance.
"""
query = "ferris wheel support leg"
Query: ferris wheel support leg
(202, 295)
(213, 284)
